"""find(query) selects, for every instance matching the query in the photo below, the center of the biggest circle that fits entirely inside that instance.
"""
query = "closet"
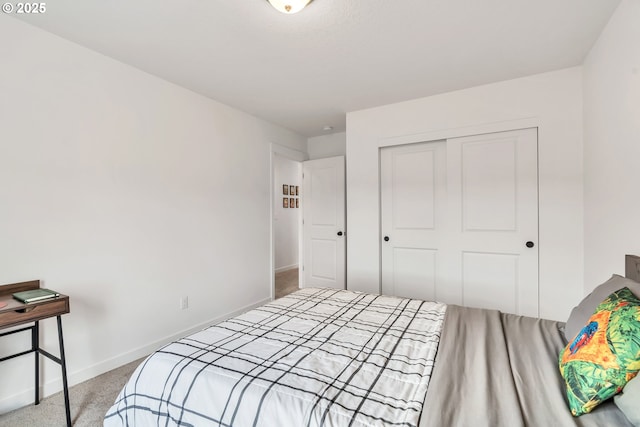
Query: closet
(459, 221)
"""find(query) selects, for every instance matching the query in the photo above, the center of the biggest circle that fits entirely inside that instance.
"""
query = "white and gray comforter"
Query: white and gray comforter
(317, 357)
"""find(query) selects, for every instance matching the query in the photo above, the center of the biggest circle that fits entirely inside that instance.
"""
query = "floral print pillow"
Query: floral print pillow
(604, 355)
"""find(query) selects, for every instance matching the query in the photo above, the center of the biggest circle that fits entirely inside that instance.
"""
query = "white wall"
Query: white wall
(612, 146)
(323, 146)
(125, 192)
(286, 220)
(550, 101)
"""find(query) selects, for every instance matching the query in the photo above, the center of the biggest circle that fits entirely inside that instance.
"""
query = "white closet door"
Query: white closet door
(460, 216)
(413, 192)
(493, 193)
(323, 192)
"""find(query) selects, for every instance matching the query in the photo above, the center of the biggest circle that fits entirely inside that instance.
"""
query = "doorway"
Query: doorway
(319, 239)
(287, 222)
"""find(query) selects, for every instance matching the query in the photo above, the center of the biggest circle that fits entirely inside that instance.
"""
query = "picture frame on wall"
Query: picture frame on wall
(292, 202)
(285, 202)
(297, 189)
(285, 189)
(292, 190)
(297, 203)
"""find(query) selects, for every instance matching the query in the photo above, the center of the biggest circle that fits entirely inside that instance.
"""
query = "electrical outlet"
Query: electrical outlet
(184, 303)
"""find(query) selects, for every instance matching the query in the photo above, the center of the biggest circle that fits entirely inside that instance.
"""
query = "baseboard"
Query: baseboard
(286, 268)
(25, 397)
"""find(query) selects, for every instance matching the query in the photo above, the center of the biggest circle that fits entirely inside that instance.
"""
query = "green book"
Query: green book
(35, 295)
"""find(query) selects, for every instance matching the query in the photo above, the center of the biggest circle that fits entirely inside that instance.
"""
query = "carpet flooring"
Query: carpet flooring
(89, 401)
(286, 282)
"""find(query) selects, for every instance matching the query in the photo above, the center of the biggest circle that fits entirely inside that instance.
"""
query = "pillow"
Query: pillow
(628, 401)
(580, 314)
(605, 354)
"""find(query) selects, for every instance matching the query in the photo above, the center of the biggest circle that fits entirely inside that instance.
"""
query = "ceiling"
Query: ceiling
(305, 71)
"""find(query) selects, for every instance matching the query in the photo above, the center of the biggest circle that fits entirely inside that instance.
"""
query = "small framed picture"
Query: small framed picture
(285, 189)
(292, 202)
(285, 202)
(292, 190)
(297, 203)
(297, 190)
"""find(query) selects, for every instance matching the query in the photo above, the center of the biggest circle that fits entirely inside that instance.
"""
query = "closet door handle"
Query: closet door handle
(386, 238)
(530, 244)
(339, 233)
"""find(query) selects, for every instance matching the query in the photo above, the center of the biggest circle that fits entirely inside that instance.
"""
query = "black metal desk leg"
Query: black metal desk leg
(64, 373)
(35, 346)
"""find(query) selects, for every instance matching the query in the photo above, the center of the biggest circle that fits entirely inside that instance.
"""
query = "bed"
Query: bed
(342, 358)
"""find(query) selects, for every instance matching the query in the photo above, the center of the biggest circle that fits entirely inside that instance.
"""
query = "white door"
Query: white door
(484, 247)
(413, 202)
(323, 198)
(493, 185)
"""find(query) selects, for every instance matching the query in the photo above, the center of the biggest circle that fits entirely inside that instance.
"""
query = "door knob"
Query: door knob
(339, 233)
(530, 244)
(386, 238)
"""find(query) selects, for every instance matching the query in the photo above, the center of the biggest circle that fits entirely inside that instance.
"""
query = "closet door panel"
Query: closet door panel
(413, 190)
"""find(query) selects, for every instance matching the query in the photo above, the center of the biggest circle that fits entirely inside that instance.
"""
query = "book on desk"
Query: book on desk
(34, 295)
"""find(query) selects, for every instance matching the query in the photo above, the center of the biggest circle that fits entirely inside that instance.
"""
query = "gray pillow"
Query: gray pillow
(583, 311)
(628, 401)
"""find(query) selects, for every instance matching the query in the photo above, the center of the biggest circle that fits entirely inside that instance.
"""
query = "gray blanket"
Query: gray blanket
(495, 369)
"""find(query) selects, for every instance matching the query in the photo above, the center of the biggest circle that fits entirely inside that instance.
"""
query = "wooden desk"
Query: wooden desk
(16, 313)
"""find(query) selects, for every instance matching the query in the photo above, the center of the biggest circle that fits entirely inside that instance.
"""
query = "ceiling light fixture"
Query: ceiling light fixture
(289, 6)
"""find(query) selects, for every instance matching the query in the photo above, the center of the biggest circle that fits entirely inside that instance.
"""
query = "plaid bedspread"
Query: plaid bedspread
(318, 357)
